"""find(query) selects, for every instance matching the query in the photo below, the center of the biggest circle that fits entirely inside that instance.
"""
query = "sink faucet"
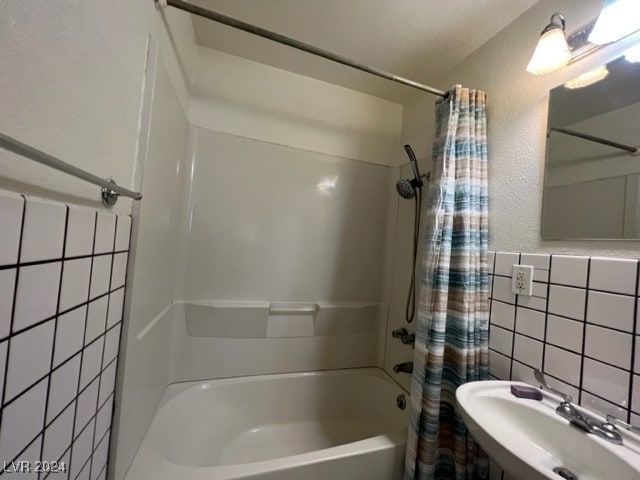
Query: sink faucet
(605, 430)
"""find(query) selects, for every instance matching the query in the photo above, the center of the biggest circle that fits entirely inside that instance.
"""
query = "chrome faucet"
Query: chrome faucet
(614, 422)
(605, 430)
(406, 367)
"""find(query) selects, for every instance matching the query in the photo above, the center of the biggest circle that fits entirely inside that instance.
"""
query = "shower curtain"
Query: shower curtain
(451, 346)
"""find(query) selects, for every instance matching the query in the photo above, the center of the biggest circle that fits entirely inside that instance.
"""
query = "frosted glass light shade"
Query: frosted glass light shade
(617, 19)
(552, 52)
(588, 78)
(633, 54)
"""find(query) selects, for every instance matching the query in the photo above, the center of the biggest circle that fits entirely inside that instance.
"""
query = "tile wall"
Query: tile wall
(62, 277)
(579, 327)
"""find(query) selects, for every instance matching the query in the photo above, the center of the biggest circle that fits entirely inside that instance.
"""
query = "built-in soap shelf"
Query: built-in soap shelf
(230, 319)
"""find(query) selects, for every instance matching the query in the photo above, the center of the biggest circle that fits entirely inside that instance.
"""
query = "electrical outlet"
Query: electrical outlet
(522, 280)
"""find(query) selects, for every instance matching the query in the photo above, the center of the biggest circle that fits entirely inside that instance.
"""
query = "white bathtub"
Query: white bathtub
(339, 425)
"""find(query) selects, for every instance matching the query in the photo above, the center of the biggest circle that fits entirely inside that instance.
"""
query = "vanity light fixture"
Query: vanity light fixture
(617, 19)
(589, 78)
(633, 54)
(552, 51)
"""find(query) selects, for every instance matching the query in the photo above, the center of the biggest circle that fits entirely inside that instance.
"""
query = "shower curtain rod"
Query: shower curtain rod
(291, 42)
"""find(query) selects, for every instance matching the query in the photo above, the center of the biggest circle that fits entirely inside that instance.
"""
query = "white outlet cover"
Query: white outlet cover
(522, 280)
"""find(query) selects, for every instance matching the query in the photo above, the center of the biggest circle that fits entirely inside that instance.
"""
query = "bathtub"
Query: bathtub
(339, 425)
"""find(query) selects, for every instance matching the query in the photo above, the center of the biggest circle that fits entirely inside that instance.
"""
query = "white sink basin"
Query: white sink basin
(528, 439)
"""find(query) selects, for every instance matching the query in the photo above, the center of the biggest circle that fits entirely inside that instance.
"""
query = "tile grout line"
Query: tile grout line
(584, 331)
(55, 330)
(634, 352)
(104, 343)
(75, 413)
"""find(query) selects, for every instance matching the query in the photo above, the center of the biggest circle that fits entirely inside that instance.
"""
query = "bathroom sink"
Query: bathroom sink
(529, 440)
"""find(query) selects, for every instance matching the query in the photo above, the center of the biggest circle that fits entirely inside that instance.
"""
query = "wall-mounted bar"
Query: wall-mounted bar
(292, 42)
(602, 141)
(110, 189)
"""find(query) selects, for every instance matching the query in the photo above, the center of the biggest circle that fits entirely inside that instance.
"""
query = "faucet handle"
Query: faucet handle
(613, 421)
(544, 385)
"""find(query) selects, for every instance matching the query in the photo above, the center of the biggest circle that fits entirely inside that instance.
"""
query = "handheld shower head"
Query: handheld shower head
(406, 188)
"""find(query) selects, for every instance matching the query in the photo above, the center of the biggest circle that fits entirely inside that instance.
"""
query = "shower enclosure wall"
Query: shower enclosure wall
(276, 220)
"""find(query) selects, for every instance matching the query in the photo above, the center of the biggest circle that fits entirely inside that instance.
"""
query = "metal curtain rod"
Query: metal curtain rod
(603, 141)
(110, 189)
(291, 42)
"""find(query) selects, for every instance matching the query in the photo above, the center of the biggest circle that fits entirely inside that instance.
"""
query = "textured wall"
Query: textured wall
(517, 116)
(71, 75)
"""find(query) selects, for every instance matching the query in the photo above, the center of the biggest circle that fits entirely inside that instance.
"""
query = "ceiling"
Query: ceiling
(418, 39)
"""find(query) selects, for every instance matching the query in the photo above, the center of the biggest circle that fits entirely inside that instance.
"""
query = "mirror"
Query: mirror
(592, 168)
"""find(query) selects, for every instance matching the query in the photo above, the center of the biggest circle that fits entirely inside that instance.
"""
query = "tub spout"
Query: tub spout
(406, 367)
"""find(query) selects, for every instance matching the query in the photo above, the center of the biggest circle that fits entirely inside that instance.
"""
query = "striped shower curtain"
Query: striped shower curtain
(451, 345)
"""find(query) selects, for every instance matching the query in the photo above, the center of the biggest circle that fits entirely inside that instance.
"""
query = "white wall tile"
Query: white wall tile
(99, 457)
(29, 358)
(567, 301)
(119, 270)
(69, 334)
(11, 208)
(565, 333)
(500, 340)
(107, 383)
(635, 400)
(80, 229)
(613, 275)
(87, 401)
(22, 420)
(530, 322)
(523, 373)
(37, 294)
(540, 275)
(527, 351)
(96, 319)
(563, 365)
(57, 436)
(123, 230)
(505, 262)
(611, 310)
(81, 450)
(100, 275)
(43, 230)
(569, 270)
(91, 362)
(116, 300)
(31, 454)
(103, 419)
(535, 303)
(7, 286)
(537, 260)
(503, 315)
(608, 346)
(105, 232)
(64, 385)
(75, 283)
(502, 290)
(602, 407)
(112, 340)
(607, 382)
(538, 290)
(491, 258)
(636, 367)
(499, 365)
